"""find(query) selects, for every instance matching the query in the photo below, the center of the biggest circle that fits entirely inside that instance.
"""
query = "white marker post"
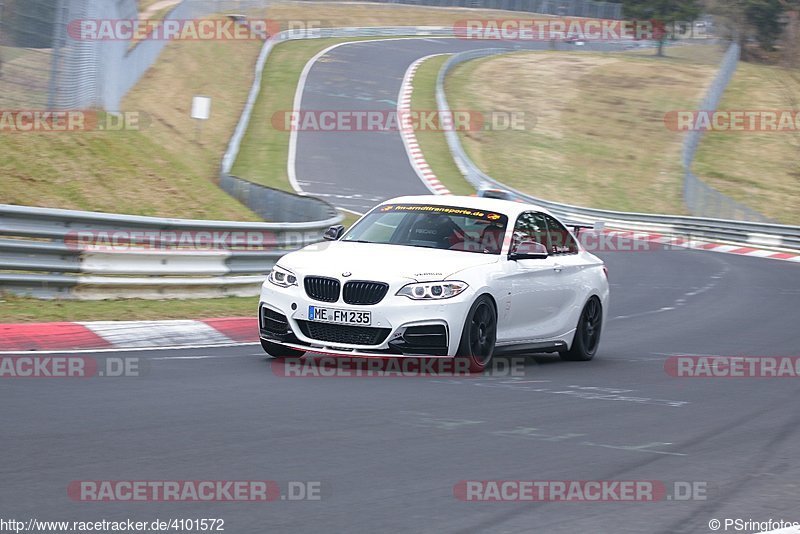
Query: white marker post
(201, 111)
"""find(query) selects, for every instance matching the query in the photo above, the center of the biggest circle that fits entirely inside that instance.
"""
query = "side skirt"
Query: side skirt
(531, 348)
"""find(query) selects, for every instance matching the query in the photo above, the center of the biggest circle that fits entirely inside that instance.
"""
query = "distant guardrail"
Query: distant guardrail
(50, 253)
(274, 205)
(741, 232)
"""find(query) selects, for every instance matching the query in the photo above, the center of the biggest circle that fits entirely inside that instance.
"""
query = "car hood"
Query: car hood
(368, 261)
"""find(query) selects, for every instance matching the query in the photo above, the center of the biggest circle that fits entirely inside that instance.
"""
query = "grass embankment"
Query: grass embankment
(758, 169)
(164, 168)
(433, 143)
(595, 134)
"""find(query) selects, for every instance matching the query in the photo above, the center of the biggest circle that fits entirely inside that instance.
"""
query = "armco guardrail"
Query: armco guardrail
(275, 205)
(85, 255)
(746, 233)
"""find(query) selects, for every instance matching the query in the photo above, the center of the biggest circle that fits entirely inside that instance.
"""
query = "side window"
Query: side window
(561, 241)
(531, 225)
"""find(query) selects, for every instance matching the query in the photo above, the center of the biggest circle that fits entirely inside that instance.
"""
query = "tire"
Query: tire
(587, 334)
(279, 351)
(479, 335)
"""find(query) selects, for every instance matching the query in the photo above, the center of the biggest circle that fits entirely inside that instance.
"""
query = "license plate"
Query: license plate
(331, 315)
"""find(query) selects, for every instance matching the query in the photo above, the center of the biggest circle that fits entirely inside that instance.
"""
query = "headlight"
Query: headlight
(281, 277)
(432, 290)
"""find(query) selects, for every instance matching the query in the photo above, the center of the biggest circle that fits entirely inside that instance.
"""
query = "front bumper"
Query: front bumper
(400, 326)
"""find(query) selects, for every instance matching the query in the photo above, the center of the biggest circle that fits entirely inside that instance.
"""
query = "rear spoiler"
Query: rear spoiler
(500, 194)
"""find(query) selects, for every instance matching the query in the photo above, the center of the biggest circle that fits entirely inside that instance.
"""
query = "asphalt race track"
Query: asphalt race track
(356, 170)
(389, 451)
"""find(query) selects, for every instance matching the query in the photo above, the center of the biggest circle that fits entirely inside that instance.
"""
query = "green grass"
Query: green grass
(594, 132)
(265, 150)
(163, 169)
(23, 310)
(349, 219)
(432, 143)
(105, 172)
(758, 169)
(599, 139)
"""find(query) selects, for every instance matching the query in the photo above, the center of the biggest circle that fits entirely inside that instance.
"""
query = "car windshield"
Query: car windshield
(427, 226)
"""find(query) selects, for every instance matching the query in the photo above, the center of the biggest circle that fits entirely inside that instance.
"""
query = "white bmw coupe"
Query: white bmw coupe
(438, 276)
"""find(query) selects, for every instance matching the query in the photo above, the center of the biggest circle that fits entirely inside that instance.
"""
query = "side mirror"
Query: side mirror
(527, 249)
(333, 233)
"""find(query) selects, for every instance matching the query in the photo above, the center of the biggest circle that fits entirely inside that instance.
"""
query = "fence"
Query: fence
(753, 233)
(43, 66)
(701, 199)
(26, 56)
